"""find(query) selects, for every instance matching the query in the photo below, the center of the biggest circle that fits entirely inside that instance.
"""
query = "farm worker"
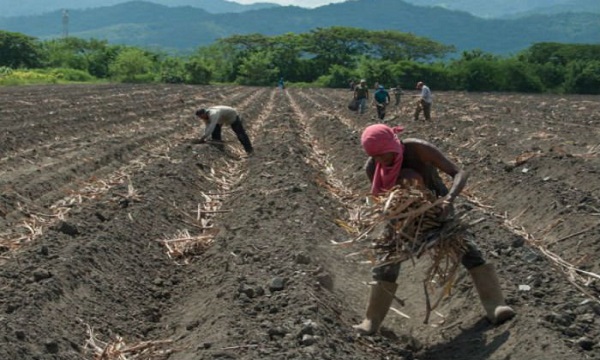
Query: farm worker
(361, 94)
(281, 83)
(390, 162)
(397, 91)
(382, 99)
(352, 84)
(424, 102)
(217, 116)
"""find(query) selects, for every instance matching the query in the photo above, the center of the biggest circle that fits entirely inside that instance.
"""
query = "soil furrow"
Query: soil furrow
(271, 285)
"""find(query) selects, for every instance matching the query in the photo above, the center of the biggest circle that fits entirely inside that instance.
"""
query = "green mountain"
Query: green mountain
(513, 8)
(186, 28)
(588, 6)
(11, 8)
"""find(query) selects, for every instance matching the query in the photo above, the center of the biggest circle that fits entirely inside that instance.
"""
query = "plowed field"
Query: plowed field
(118, 235)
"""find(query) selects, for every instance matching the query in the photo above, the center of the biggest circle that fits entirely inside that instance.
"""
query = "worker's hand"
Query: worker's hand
(447, 210)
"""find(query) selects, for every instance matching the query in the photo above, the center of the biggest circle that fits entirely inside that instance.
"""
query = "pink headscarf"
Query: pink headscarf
(377, 140)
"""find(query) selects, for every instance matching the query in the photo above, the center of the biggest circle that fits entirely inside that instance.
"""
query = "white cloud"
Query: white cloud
(302, 3)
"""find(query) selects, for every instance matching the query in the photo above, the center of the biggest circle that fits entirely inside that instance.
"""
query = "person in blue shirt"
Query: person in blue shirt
(382, 100)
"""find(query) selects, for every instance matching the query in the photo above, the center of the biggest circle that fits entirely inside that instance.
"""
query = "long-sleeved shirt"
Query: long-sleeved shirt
(426, 94)
(222, 115)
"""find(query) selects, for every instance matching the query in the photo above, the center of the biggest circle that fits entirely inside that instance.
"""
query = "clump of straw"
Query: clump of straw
(410, 226)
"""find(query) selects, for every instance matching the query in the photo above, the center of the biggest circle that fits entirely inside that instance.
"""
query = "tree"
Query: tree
(476, 71)
(583, 77)
(221, 59)
(257, 69)
(100, 55)
(172, 71)
(395, 46)
(197, 72)
(66, 53)
(334, 46)
(337, 77)
(558, 53)
(286, 50)
(519, 76)
(18, 50)
(132, 65)
(93, 56)
(381, 71)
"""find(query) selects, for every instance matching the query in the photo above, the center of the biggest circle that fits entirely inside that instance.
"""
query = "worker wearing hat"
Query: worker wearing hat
(361, 94)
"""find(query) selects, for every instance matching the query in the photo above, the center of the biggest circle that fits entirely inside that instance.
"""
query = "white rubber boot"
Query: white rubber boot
(380, 300)
(486, 282)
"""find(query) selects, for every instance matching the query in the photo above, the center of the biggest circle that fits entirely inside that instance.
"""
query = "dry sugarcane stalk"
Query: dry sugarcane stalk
(413, 228)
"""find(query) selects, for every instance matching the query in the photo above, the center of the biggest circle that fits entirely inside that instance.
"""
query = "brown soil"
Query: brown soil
(95, 180)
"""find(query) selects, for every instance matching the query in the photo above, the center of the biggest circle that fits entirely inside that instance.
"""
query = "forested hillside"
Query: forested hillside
(587, 6)
(186, 28)
(12, 8)
(487, 9)
(513, 8)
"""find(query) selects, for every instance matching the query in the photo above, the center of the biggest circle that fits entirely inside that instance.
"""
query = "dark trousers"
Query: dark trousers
(397, 97)
(381, 111)
(390, 272)
(239, 131)
(425, 107)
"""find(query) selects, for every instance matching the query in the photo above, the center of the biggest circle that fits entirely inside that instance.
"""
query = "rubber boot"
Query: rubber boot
(488, 287)
(380, 300)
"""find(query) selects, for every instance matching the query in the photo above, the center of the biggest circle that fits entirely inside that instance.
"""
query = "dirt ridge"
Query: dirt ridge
(271, 285)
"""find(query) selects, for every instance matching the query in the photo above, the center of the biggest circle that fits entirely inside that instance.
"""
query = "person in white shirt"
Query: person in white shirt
(215, 117)
(425, 101)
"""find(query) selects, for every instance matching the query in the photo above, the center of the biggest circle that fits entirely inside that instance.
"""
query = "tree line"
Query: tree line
(326, 57)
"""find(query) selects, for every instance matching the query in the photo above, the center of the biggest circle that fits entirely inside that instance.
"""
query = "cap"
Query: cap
(200, 112)
(420, 83)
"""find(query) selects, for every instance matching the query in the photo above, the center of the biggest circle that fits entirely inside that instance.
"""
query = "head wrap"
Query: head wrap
(377, 140)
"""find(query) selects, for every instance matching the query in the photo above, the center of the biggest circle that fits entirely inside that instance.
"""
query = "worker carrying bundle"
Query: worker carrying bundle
(416, 209)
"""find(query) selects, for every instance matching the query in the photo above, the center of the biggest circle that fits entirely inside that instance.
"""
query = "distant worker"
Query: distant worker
(281, 84)
(215, 117)
(424, 102)
(361, 94)
(397, 91)
(382, 100)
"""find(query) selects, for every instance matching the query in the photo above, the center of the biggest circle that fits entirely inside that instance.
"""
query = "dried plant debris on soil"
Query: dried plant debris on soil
(121, 238)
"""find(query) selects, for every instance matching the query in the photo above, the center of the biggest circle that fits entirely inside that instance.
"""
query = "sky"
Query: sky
(303, 3)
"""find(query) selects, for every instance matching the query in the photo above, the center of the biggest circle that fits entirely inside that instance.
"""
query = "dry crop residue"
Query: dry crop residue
(119, 236)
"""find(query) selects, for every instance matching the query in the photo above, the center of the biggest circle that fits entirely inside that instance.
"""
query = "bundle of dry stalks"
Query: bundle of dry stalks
(117, 349)
(404, 224)
(185, 246)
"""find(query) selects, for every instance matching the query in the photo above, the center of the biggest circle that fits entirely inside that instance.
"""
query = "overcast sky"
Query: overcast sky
(303, 3)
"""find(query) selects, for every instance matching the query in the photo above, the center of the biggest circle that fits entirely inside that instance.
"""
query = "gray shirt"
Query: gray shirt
(426, 94)
(222, 115)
